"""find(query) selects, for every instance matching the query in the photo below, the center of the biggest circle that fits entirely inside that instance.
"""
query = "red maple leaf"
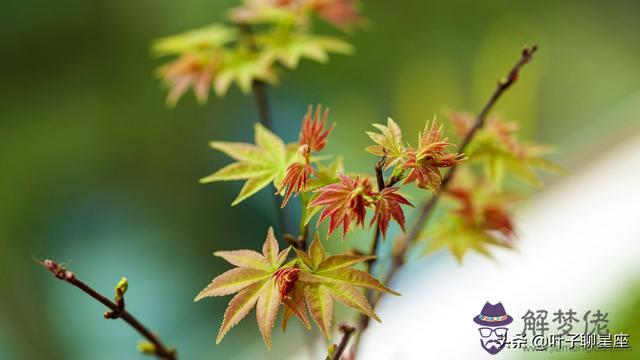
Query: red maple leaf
(313, 133)
(340, 13)
(345, 202)
(497, 218)
(313, 137)
(431, 155)
(295, 180)
(387, 206)
(485, 216)
(189, 71)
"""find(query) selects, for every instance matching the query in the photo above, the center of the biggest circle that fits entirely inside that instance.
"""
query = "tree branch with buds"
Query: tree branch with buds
(117, 310)
(427, 208)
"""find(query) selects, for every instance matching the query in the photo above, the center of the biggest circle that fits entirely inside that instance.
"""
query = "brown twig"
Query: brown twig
(347, 331)
(376, 236)
(117, 311)
(427, 208)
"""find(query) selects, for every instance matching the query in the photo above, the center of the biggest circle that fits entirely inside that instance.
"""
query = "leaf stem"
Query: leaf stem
(116, 311)
(427, 207)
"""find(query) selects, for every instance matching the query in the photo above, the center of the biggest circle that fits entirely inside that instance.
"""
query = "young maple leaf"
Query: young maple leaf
(344, 202)
(432, 154)
(479, 221)
(499, 150)
(387, 205)
(269, 11)
(313, 137)
(290, 47)
(243, 66)
(260, 280)
(295, 180)
(313, 133)
(203, 41)
(259, 164)
(199, 54)
(340, 13)
(388, 143)
(323, 279)
(189, 71)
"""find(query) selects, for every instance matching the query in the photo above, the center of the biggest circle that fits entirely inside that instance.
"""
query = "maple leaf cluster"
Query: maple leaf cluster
(347, 201)
(423, 163)
(479, 218)
(217, 56)
(310, 282)
(478, 215)
(497, 148)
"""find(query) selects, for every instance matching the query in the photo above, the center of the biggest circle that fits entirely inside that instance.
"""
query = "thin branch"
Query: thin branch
(376, 236)
(264, 114)
(347, 331)
(503, 85)
(427, 208)
(117, 311)
(379, 171)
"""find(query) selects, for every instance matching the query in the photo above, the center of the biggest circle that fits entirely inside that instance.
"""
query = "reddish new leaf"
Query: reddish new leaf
(432, 154)
(313, 138)
(340, 13)
(189, 71)
(295, 181)
(313, 133)
(344, 202)
(387, 206)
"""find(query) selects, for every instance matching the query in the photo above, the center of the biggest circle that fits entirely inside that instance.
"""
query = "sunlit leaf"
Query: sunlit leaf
(261, 280)
(322, 278)
(388, 142)
(203, 40)
(260, 164)
(243, 66)
(320, 305)
(289, 48)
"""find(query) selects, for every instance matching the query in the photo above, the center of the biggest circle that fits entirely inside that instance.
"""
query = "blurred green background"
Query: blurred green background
(99, 174)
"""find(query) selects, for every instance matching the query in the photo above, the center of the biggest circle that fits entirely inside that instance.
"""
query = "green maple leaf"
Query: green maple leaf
(324, 279)
(260, 164)
(212, 37)
(243, 67)
(290, 47)
(255, 282)
(388, 142)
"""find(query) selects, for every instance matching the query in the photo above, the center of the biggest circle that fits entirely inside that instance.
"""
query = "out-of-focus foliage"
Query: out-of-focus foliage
(216, 56)
(481, 216)
(497, 147)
